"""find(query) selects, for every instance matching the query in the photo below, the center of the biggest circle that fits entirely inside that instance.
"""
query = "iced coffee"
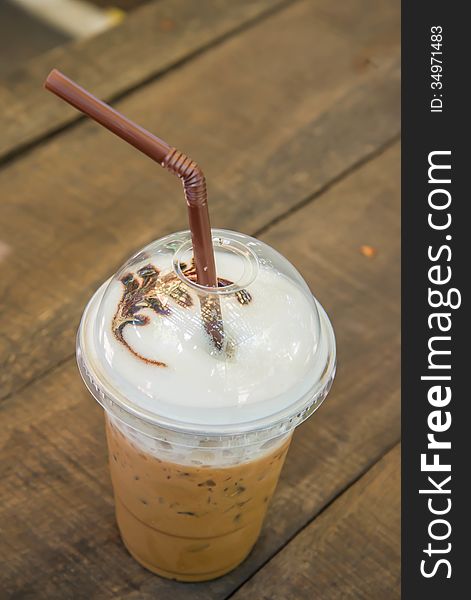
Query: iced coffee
(198, 429)
(205, 349)
(189, 521)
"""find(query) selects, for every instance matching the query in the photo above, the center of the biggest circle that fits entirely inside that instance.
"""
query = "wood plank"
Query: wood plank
(36, 37)
(351, 551)
(150, 41)
(65, 543)
(270, 124)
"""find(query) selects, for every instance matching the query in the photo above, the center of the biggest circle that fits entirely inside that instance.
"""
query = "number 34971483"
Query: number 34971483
(436, 57)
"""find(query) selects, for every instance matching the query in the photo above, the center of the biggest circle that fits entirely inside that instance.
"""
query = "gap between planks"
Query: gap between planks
(329, 185)
(325, 507)
(24, 148)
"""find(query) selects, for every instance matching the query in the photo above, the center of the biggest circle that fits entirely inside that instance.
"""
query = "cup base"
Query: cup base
(182, 577)
(167, 555)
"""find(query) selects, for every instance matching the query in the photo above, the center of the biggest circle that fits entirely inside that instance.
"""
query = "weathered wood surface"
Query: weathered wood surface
(294, 121)
(56, 510)
(269, 131)
(154, 39)
(36, 37)
(348, 551)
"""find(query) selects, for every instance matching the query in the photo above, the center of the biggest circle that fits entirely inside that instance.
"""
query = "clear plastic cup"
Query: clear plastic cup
(198, 423)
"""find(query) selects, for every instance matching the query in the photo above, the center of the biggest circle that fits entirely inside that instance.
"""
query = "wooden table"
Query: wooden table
(292, 109)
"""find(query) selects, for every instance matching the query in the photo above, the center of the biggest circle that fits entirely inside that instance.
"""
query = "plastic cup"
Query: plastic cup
(197, 434)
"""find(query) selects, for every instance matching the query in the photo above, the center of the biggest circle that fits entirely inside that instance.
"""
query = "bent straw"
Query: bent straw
(194, 183)
(188, 171)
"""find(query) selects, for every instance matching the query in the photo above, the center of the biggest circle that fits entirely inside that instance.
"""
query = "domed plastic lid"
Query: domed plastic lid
(255, 352)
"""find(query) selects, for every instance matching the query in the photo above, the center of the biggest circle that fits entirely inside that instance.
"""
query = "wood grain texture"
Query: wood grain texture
(149, 42)
(36, 37)
(350, 552)
(272, 122)
(59, 539)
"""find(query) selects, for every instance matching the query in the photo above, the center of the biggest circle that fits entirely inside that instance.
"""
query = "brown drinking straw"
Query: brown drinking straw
(188, 171)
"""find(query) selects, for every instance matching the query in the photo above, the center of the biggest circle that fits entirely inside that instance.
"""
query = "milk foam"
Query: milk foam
(274, 339)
